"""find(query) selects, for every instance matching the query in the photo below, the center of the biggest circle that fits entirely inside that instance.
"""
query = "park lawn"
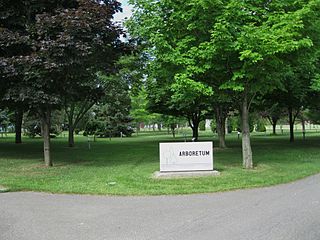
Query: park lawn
(125, 166)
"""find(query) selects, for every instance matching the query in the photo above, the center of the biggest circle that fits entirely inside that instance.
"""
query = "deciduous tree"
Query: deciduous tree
(60, 44)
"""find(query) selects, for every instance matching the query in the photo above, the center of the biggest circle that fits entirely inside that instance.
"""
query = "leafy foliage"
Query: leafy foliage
(61, 45)
(110, 116)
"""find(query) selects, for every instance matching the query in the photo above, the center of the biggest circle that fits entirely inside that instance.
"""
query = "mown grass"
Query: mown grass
(125, 166)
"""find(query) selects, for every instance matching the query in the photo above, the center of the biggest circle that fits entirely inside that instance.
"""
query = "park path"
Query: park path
(286, 212)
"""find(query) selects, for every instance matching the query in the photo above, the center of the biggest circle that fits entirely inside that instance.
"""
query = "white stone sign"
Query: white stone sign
(186, 156)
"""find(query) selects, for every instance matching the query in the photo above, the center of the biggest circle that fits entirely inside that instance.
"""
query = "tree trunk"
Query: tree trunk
(173, 128)
(274, 126)
(221, 129)
(194, 124)
(222, 137)
(46, 115)
(71, 130)
(291, 123)
(138, 128)
(226, 131)
(71, 137)
(70, 111)
(246, 144)
(303, 122)
(18, 125)
(195, 132)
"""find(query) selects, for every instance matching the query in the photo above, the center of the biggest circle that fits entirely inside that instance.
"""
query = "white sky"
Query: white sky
(126, 13)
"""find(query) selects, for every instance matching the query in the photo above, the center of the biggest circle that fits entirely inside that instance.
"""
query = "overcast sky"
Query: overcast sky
(127, 10)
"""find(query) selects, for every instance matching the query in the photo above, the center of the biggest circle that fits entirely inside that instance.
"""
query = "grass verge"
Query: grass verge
(125, 166)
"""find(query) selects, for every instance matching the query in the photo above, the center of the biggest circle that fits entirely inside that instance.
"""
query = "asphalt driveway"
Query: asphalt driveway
(286, 212)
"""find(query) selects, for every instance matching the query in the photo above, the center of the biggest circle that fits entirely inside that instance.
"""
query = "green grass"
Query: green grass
(124, 167)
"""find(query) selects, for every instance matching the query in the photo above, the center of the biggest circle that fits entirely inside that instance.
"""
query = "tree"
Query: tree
(294, 93)
(115, 108)
(139, 112)
(77, 104)
(180, 100)
(270, 109)
(59, 44)
(169, 83)
(15, 44)
(224, 103)
(32, 124)
(171, 123)
(265, 33)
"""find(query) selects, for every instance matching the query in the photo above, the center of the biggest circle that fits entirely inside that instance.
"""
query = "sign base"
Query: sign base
(189, 174)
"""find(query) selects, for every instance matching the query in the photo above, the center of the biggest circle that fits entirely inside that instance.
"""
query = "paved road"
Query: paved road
(286, 212)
